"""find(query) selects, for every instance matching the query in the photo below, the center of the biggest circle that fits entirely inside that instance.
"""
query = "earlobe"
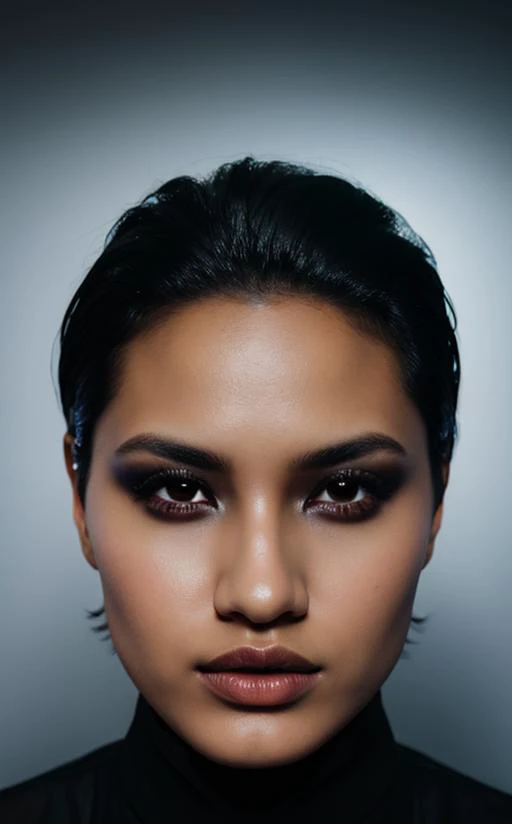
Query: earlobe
(438, 517)
(436, 526)
(85, 543)
(78, 509)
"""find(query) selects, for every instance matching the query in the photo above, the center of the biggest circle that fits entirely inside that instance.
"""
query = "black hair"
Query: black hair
(255, 229)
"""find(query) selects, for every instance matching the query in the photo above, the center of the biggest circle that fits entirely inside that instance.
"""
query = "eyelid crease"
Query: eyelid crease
(167, 472)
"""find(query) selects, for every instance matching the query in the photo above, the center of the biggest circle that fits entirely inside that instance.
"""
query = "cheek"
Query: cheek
(364, 587)
(156, 580)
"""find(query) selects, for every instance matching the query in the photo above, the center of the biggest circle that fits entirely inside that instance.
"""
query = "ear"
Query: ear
(438, 516)
(78, 509)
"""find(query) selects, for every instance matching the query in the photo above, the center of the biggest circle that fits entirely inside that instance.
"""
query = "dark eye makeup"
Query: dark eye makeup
(346, 495)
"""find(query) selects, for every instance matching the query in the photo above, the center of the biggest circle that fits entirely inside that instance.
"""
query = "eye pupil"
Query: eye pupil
(180, 490)
(342, 488)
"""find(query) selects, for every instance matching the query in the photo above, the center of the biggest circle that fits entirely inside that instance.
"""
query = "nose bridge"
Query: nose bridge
(261, 577)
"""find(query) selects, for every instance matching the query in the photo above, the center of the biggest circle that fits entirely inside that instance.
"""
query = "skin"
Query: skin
(260, 384)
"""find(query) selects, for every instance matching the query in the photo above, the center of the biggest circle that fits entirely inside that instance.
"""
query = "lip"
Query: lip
(260, 658)
(259, 676)
(258, 689)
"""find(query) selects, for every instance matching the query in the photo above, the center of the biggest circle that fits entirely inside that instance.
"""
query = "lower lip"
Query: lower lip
(264, 690)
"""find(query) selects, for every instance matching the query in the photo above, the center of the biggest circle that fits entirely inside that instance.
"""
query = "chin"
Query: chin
(270, 756)
(255, 740)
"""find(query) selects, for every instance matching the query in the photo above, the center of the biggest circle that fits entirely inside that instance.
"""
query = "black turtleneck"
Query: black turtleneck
(160, 772)
(153, 776)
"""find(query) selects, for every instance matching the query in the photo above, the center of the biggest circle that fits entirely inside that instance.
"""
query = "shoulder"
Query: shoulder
(64, 789)
(442, 793)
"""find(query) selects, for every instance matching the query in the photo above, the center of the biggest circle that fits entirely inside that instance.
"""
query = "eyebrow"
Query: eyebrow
(322, 458)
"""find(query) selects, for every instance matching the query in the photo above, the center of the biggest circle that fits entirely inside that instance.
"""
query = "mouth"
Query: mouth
(259, 677)
(260, 659)
(260, 670)
(259, 689)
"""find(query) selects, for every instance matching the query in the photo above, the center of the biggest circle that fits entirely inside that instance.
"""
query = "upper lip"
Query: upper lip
(259, 658)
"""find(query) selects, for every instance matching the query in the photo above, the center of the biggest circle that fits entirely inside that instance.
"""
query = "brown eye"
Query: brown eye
(171, 493)
(350, 495)
(182, 490)
(343, 490)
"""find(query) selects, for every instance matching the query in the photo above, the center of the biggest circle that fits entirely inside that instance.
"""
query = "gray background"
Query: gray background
(99, 108)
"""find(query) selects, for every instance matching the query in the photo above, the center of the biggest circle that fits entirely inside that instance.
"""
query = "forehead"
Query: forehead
(290, 366)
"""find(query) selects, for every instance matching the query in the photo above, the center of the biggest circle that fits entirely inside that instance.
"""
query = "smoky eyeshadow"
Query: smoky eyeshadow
(387, 475)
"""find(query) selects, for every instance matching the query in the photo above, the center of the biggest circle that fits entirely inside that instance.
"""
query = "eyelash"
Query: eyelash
(379, 486)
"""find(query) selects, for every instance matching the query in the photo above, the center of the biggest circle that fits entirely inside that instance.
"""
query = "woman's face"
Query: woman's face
(256, 549)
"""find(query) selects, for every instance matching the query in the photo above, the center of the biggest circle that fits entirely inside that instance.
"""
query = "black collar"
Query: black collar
(160, 774)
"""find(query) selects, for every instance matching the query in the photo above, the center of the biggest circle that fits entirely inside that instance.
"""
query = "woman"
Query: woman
(259, 377)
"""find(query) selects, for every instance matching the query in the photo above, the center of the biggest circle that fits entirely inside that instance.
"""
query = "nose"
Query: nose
(260, 578)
